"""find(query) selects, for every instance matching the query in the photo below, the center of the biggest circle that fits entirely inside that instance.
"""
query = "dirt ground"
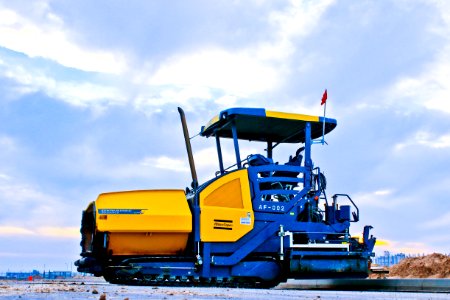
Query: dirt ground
(93, 288)
(430, 266)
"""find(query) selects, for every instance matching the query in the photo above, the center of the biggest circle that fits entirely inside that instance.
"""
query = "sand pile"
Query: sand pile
(430, 266)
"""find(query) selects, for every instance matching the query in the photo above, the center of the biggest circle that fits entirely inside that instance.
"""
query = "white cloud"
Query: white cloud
(7, 143)
(185, 96)
(45, 231)
(425, 139)
(13, 230)
(22, 193)
(442, 221)
(226, 100)
(206, 158)
(250, 70)
(431, 88)
(377, 198)
(58, 232)
(167, 163)
(187, 79)
(72, 92)
(297, 20)
(237, 72)
(90, 162)
(48, 38)
(45, 36)
(5, 177)
(404, 247)
(26, 206)
(382, 193)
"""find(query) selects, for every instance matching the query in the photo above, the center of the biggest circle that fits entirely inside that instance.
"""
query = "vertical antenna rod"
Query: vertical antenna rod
(188, 148)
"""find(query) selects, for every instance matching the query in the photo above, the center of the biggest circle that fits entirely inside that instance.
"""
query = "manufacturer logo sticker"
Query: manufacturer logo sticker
(120, 211)
(223, 224)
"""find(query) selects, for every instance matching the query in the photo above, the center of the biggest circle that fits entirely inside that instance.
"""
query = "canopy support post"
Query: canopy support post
(308, 161)
(269, 149)
(236, 145)
(219, 153)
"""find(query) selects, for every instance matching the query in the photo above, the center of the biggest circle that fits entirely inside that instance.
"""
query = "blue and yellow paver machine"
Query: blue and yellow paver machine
(254, 223)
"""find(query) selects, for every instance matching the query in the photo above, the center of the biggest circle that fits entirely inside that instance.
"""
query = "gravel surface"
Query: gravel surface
(93, 288)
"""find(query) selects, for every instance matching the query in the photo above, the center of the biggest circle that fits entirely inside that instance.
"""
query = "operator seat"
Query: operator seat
(258, 160)
(293, 161)
(254, 160)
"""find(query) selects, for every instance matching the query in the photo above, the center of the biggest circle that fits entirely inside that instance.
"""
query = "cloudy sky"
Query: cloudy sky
(89, 91)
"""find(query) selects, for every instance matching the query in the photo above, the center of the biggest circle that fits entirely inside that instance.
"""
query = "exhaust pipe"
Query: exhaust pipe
(188, 148)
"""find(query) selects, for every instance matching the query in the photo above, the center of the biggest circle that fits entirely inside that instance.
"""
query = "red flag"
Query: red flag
(324, 98)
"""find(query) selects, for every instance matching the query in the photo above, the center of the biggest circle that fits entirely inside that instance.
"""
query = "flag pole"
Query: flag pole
(323, 131)
(324, 101)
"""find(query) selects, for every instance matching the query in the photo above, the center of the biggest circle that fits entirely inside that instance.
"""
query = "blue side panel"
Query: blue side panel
(265, 234)
(258, 112)
(231, 247)
(266, 270)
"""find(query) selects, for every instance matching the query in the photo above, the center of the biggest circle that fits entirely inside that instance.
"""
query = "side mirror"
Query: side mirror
(355, 216)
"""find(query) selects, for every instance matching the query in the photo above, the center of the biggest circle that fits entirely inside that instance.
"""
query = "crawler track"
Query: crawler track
(196, 282)
(190, 281)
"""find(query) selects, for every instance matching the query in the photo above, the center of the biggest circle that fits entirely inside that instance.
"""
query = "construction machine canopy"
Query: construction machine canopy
(258, 124)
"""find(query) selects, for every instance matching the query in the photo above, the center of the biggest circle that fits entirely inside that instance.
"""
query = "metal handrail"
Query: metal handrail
(355, 217)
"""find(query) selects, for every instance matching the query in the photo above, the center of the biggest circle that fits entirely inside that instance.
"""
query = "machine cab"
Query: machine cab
(274, 186)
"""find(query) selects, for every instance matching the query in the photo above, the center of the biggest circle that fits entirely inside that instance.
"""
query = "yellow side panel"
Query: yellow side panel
(144, 211)
(226, 208)
(147, 243)
(300, 117)
(227, 195)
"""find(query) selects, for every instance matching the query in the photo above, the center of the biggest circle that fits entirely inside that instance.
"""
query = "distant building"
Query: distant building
(21, 275)
(57, 274)
(389, 259)
(36, 274)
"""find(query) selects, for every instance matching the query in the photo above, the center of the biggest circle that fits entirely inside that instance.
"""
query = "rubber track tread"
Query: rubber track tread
(189, 282)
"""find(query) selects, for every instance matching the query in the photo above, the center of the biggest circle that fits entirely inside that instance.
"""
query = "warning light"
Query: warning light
(316, 198)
